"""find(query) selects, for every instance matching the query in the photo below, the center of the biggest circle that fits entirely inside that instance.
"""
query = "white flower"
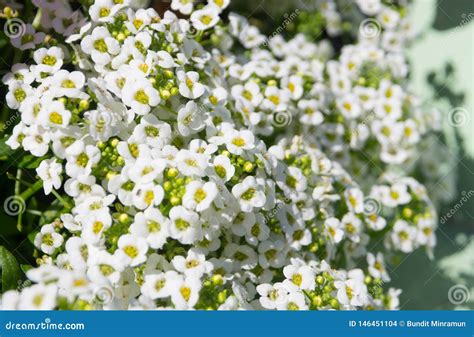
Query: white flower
(29, 39)
(145, 170)
(376, 222)
(310, 112)
(159, 285)
(369, 7)
(50, 172)
(243, 257)
(185, 292)
(351, 292)
(271, 295)
(223, 168)
(191, 163)
(54, 114)
(395, 195)
(38, 297)
(250, 194)
(199, 195)
(377, 266)
(48, 60)
(94, 225)
(100, 45)
(256, 231)
(36, 140)
(276, 99)
(295, 300)
(352, 226)
(194, 264)
(132, 249)
(48, 240)
(17, 93)
(104, 267)
(388, 17)
(349, 106)
(239, 141)
(20, 72)
(271, 254)
(147, 195)
(393, 300)
(205, 18)
(333, 229)
(189, 86)
(69, 84)
(185, 7)
(249, 92)
(165, 60)
(403, 236)
(354, 200)
(152, 226)
(295, 85)
(140, 95)
(105, 10)
(190, 119)
(80, 159)
(185, 225)
(219, 4)
(302, 276)
(426, 235)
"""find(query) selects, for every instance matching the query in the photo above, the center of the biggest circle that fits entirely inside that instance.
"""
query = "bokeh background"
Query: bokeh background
(442, 74)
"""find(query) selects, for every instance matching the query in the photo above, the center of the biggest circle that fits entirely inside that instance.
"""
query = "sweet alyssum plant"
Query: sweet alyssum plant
(205, 166)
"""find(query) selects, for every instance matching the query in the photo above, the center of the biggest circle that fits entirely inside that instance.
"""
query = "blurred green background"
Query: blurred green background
(442, 74)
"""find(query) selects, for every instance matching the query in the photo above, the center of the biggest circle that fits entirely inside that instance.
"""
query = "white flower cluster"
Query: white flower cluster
(163, 136)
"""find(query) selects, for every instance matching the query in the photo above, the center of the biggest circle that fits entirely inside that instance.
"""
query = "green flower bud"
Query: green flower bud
(175, 201)
(327, 288)
(120, 37)
(123, 218)
(165, 94)
(313, 248)
(168, 74)
(167, 186)
(84, 104)
(174, 91)
(317, 301)
(114, 142)
(217, 279)
(120, 161)
(271, 83)
(407, 213)
(248, 166)
(334, 303)
(222, 296)
(101, 145)
(319, 279)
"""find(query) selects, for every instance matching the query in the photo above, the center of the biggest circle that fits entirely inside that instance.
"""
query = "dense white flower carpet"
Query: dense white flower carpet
(206, 166)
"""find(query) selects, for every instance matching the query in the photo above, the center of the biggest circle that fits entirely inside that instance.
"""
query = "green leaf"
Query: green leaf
(32, 235)
(25, 267)
(5, 150)
(30, 162)
(11, 273)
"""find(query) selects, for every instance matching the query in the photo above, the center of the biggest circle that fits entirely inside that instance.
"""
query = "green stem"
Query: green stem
(61, 199)
(168, 109)
(32, 190)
